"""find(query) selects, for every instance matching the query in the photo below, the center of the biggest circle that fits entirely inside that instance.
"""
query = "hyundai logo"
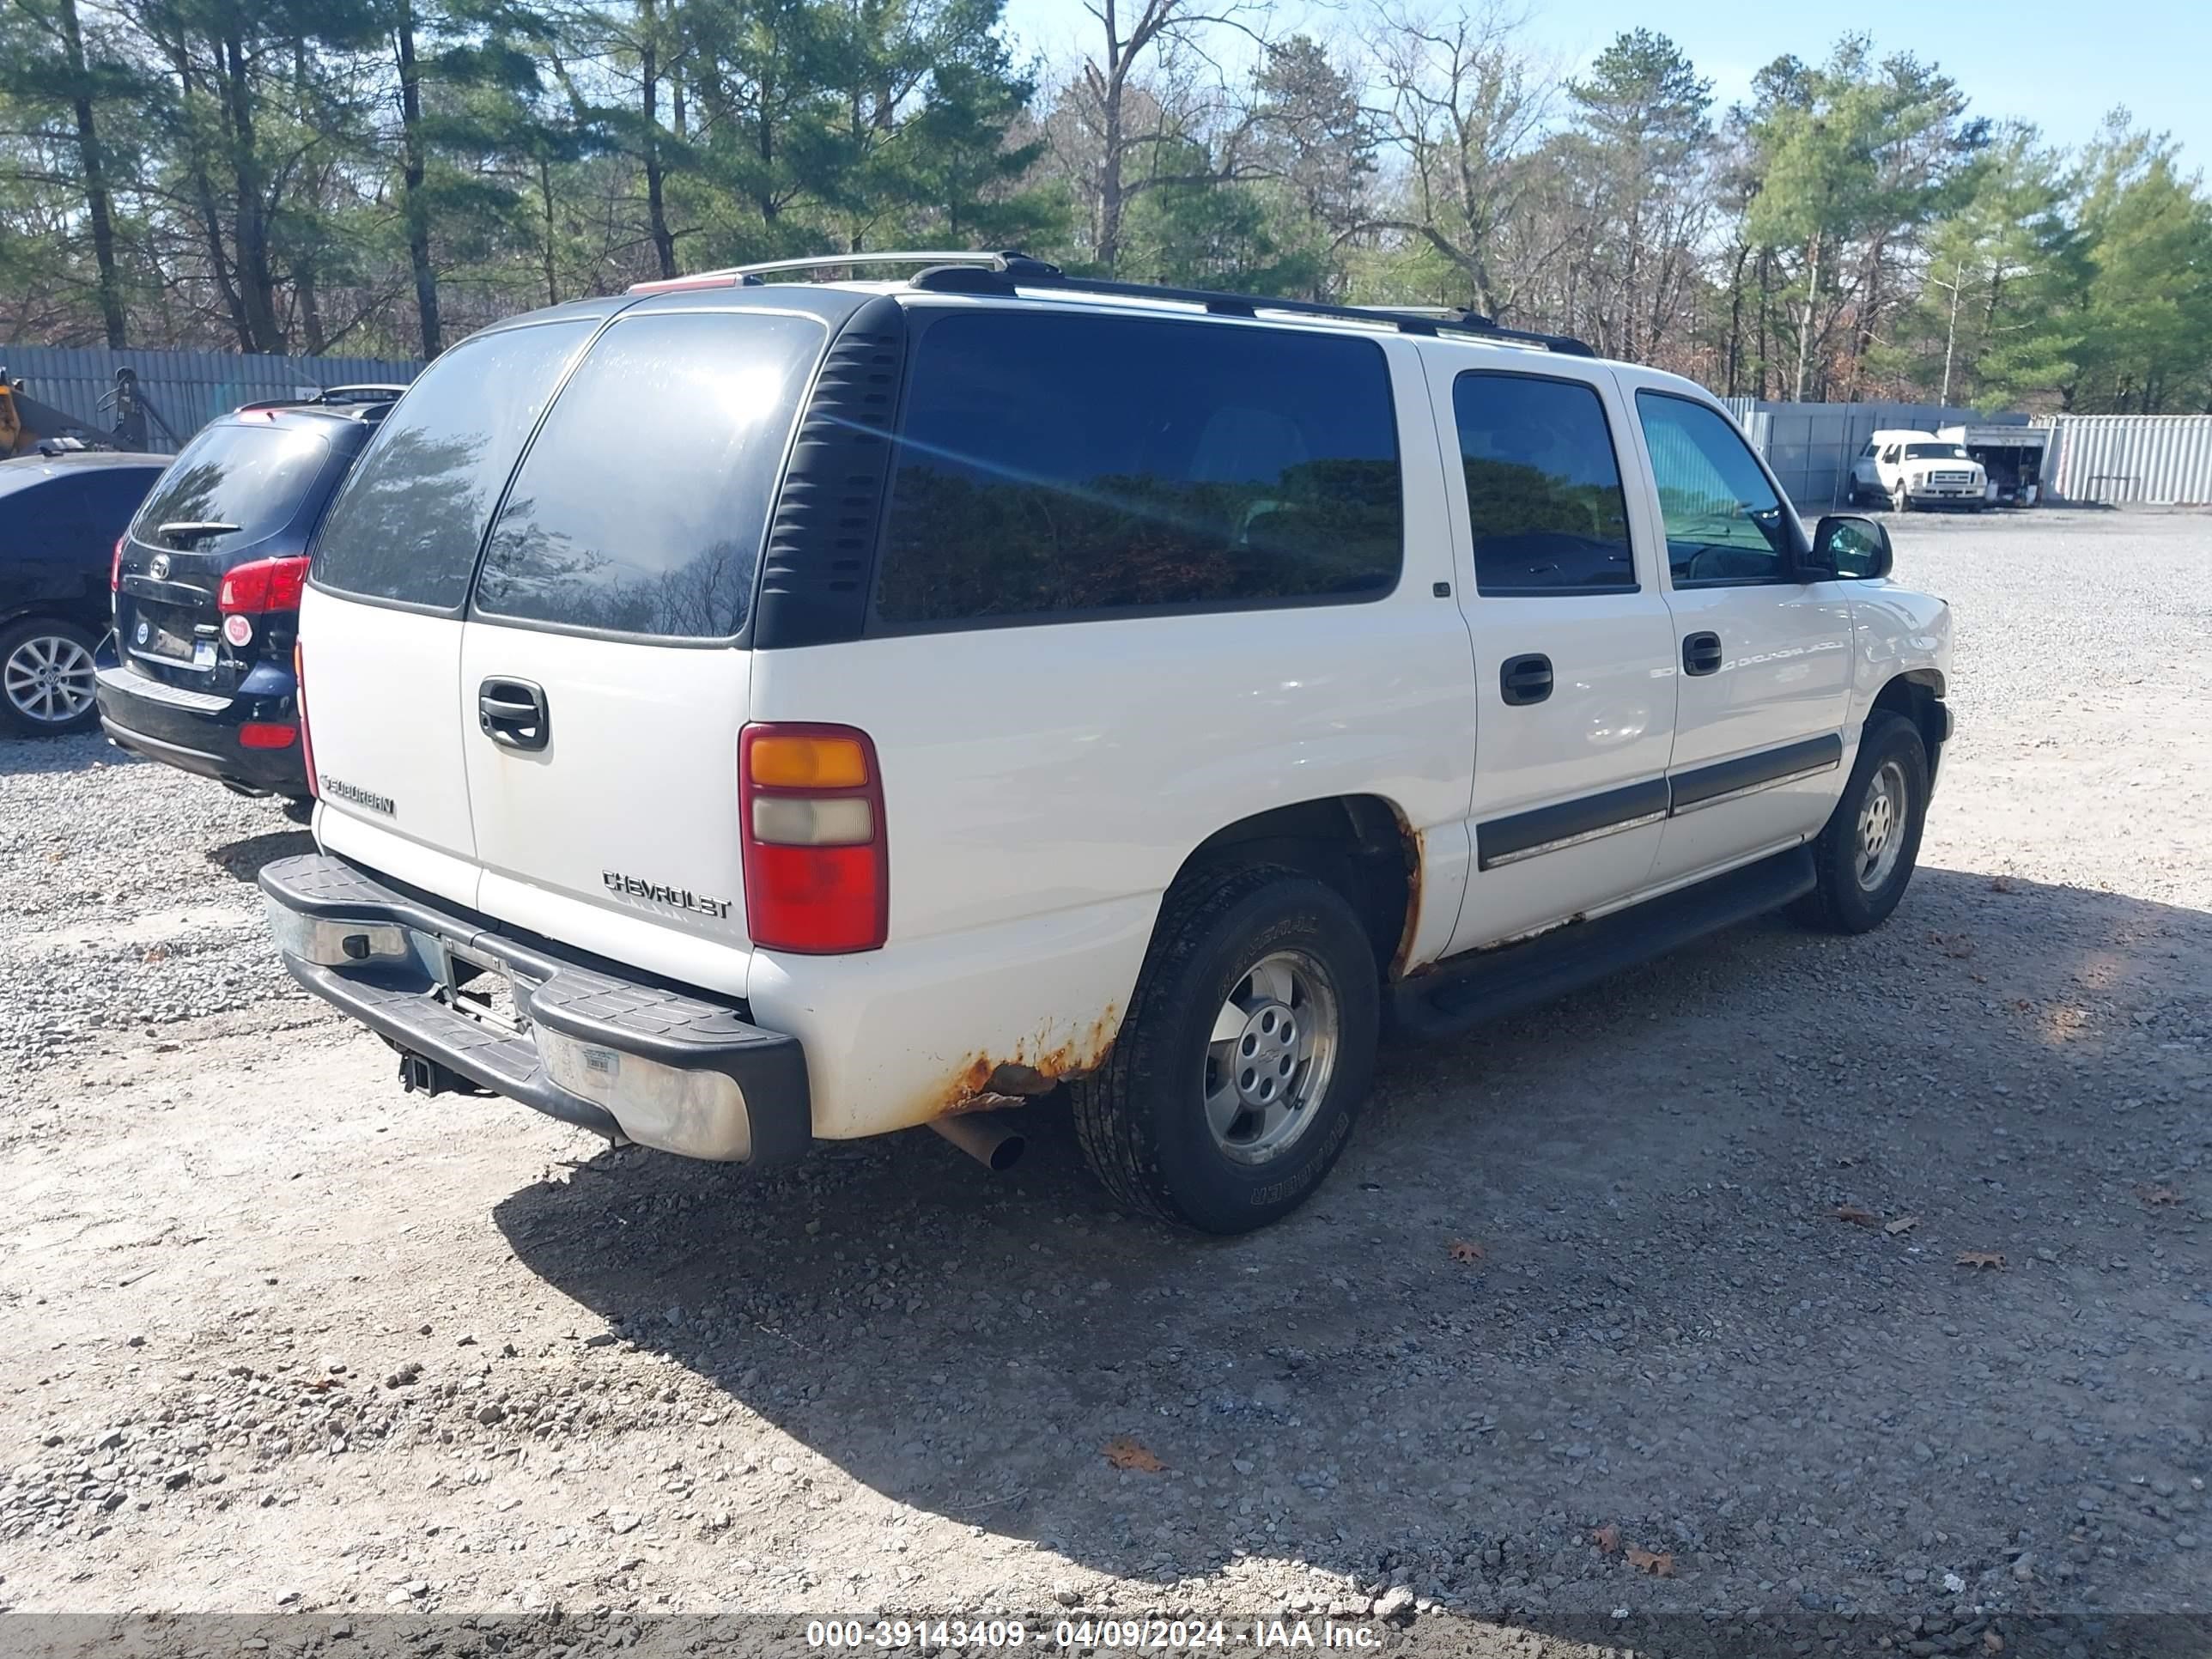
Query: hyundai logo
(158, 570)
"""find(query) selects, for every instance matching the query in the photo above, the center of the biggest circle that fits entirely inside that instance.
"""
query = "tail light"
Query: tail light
(817, 866)
(264, 585)
(300, 703)
(115, 567)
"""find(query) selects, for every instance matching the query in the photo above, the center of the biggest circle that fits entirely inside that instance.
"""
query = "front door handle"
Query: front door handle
(1523, 680)
(514, 714)
(1701, 654)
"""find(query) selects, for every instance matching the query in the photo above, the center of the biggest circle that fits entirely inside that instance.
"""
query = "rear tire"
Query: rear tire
(46, 679)
(1245, 1057)
(1865, 859)
(301, 808)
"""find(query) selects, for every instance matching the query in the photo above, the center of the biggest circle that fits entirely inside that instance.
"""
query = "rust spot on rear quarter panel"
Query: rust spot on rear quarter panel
(985, 1083)
(1416, 844)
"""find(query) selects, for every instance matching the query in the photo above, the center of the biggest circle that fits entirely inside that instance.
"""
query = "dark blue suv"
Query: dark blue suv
(207, 591)
(59, 517)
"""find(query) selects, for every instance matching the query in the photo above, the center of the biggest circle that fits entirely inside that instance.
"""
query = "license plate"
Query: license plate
(178, 648)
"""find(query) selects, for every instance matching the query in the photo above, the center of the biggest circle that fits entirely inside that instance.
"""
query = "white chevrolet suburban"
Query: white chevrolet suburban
(749, 712)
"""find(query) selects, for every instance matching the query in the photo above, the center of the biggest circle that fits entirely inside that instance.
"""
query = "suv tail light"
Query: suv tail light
(300, 703)
(264, 585)
(817, 866)
(115, 567)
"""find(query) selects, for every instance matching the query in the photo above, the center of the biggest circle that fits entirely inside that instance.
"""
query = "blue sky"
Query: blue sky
(2061, 64)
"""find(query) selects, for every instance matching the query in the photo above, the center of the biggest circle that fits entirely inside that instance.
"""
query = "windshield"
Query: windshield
(250, 479)
(1936, 452)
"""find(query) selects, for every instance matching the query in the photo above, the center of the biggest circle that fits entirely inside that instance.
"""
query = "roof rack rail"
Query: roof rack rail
(1007, 271)
(747, 276)
(365, 392)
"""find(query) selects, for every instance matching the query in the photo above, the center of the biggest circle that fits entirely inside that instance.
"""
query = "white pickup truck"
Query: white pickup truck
(1905, 470)
(749, 712)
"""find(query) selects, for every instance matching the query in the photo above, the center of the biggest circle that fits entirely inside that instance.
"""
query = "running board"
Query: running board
(1485, 984)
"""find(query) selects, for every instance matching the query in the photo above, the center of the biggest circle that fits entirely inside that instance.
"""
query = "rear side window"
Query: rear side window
(408, 521)
(642, 506)
(1053, 464)
(1543, 488)
(233, 484)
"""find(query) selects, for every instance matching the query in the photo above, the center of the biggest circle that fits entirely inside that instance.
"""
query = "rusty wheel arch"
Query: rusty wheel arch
(1361, 845)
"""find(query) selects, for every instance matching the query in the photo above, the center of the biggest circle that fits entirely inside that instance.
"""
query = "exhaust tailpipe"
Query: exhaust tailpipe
(984, 1136)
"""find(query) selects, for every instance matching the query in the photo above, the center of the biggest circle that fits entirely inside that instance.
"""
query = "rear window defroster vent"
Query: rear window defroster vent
(821, 543)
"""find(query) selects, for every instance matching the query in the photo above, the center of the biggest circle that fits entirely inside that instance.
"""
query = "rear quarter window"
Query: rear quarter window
(1052, 466)
(408, 520)
(644, 501)
(252, 477)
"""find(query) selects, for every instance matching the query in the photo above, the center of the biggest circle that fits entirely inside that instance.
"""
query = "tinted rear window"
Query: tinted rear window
(1052, 465)
(410, 517)
(642, 506)
(253, 477)
(1543, 489)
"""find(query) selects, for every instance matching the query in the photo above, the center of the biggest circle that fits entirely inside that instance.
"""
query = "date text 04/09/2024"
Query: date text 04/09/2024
(1140, 1635)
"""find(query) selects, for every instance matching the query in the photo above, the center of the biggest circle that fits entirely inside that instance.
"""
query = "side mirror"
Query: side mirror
(1850, 547)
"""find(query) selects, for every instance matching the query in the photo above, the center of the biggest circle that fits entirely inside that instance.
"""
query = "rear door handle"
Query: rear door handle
(1523, 680)
(514, 714)
(1701, 654)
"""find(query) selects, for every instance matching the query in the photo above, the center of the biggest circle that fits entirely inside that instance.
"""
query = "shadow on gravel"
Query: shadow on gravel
(1670, 1327)
(25, 756)
(244, 858)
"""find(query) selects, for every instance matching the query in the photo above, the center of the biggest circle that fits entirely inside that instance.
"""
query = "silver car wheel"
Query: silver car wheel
(48, 679)
(1269, 1057)
(1881, 827)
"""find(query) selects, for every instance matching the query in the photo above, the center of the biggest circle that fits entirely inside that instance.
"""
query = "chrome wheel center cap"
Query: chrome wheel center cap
(1265, 1054)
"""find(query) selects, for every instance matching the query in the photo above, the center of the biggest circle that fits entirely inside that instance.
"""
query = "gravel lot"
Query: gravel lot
(282, 1339)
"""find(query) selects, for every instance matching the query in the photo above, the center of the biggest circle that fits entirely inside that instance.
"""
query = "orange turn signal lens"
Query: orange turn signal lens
(800, 762)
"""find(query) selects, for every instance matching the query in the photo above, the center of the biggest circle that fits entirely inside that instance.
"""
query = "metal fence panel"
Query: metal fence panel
(1811, 446)
(186, 389)
(2111, 458)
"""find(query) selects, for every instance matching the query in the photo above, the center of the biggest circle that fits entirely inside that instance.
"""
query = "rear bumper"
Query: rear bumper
(622, 1057)
(197, 732)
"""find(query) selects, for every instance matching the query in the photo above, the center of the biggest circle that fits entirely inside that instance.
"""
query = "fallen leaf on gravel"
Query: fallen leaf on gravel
(1607, 1538)
(1658, 1566)
(159, 953)
(320, 1384)
(1978, 1259)
(1123, 1453)
(1952, 945)
(2158, 1196)
(1857, 1216)
(2002, 884)
(1991, 1642)
(1463, 1250)
(1903, 1223)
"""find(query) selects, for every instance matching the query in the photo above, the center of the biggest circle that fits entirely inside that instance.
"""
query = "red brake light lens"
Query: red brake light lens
(817, 865)
(264, 585)
(267, 734)
(115, 567)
